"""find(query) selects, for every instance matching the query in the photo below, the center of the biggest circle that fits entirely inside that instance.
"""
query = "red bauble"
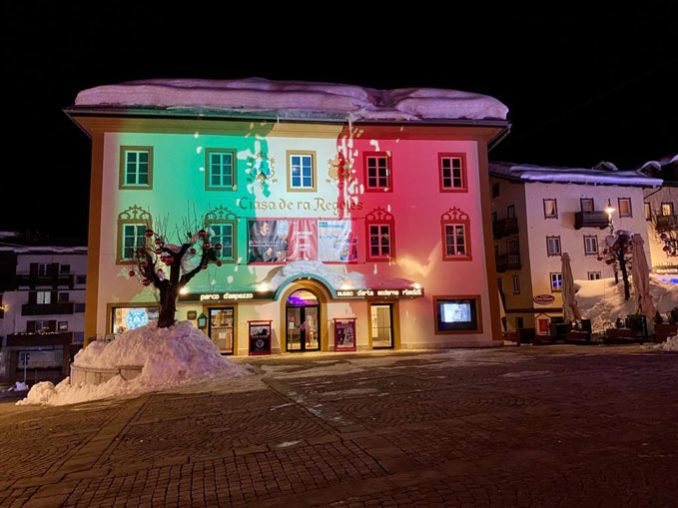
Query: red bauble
(666, 248)
(202, 233)
(192, 251)
(149, 233)
(158, 241)
(206, 246)
(218, 246)
(219, 263)
(600, 258)
(131, 273)
(204, 267)
(146, 283)
(158, 251)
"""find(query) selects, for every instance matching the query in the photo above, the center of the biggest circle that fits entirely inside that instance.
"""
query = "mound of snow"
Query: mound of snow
(170, 356)
(602, 301)
(671, 344)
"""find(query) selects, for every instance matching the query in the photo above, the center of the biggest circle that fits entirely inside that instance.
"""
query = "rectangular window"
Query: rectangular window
(43, 297)
(301, 171)
(42, 269)
(63, 326)
(79, 307)
(553, 245)
(455, 241)
(136, 167)
(590, 245)
(494, 217)
(516, 284)
(624, 207)
(380, 240)
(64, 268)
(220, 169)
(223, 234)
(594, 275)
(452, 172)
(550, 209)
(667, 209)
(457, 314)
(556, 282)
(511, 212)
(81, 279)
(133, 239)
(586, 204)
(63, 297)
(648, 211)
(378, 172)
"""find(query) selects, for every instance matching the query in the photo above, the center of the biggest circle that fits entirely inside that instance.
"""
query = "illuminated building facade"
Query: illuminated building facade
(337, 232)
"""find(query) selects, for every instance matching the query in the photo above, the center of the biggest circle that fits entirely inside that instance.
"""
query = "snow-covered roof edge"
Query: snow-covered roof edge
(44, 249)
(586, 176)
(298, 100)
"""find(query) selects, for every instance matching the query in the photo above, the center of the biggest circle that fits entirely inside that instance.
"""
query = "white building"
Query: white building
(661, 208)
(42, 298)
(541, 212)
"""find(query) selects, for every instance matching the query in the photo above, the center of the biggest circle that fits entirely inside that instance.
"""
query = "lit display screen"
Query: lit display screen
(456, 314)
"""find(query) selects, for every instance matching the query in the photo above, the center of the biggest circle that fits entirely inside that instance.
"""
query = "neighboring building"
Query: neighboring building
(334, 204)
(43, 309)
(541, 212)
(661, 213)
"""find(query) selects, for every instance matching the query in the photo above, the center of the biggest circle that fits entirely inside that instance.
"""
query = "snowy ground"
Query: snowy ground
(603, 302)
(171, 357)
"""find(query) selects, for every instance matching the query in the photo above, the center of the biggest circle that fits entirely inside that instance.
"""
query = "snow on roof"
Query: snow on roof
(295, 100)
(44, 249)
(605, 173)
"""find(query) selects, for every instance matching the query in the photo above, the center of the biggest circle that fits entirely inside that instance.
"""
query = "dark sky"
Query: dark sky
(580, 89)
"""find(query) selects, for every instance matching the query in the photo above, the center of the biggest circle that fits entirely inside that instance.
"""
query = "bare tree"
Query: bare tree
(183, 260)
(617, 254)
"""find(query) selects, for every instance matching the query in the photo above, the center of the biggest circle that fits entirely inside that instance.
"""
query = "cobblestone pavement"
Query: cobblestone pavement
(528, 426)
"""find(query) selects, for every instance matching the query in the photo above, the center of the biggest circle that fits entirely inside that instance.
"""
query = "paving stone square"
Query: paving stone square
(523, 426)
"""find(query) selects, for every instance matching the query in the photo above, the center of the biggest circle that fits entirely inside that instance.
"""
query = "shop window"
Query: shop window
(553, 245)
(556, 282)
(220, 171)
(457, 314)
(223, 224)
(136, 167)
(624, 207)
(550, 209)
(380, 235)
(301, 171)
(452, 168)
(132, 225)
(455, 229)
(378, 174)
(591, 245)
(594, 275)
(667, 209)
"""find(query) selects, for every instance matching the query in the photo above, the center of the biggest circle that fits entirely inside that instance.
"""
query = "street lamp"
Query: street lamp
(609, 209)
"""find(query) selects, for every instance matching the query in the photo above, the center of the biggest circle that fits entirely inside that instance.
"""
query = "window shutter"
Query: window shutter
(52, 269)
(51, 325)
(54, 297)
(33, 298)
(30, 326)
(34, 269)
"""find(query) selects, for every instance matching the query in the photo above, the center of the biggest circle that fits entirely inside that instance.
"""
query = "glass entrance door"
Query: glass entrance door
(382, 325)
(302, 320)
(221, 328)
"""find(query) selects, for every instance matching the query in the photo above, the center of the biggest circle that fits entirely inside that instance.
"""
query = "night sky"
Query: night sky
(579, 90)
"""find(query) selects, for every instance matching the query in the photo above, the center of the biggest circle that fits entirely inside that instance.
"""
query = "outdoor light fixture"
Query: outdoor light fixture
(263, 287)
(202, 321)
(609, 209)
(183, 291)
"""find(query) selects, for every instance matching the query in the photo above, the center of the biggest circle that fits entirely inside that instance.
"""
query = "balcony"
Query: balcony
(508, 262)
(33, 280)
(505, 227)
(41, 309)
(590, 220)
(666, 223)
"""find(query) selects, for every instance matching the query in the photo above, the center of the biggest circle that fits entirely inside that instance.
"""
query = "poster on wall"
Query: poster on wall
(303, 240)
(268, 241)
(260, 337)
(336, 241)
(344, 334)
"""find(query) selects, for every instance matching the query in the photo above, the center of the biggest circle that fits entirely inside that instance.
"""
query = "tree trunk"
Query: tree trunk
(625, 275)
(168, 306)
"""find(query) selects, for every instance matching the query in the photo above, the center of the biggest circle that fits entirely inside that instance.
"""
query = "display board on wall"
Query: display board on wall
(344, 334)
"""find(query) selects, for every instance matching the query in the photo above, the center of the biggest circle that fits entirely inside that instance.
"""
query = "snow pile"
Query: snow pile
(170, 357)
(671, 344)
(296, 99)
(603, 302)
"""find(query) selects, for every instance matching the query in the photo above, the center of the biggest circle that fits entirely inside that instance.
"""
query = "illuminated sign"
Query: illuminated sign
(270, 295)
(384, 293)
(544, 299)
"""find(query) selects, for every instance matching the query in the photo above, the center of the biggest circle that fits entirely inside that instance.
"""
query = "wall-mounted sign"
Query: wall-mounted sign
(191, 314)
(544, 299)
(344, 334)
(383, 293)
(230, 296)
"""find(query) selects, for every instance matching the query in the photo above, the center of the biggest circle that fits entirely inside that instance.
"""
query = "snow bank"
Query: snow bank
(170, 357)
(671, 344)
(603, 302)
(296, 99)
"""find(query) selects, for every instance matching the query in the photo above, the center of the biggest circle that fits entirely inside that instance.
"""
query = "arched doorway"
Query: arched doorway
(302, 321)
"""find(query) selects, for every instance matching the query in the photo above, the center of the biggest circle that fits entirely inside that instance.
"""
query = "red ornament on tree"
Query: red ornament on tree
(204, 267)
(149, 233)
(206, 245)
(218, 246)
(202, 233)
(146, 282)
(219, 263)
(131, 273)
(192, 251)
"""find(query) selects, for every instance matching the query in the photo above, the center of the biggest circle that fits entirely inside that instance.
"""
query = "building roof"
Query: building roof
(44, 249)
(294, 100)
(604, 173)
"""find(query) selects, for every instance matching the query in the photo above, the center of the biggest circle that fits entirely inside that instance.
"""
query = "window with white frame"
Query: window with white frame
(452, 172)
(301, 171)
(43, 297)
(625, 207)
(550, 209)
(455, 240)
(667, 209)
(556, 281)
(136, 166)
(380, 240)
(378, 172)
(590, 245)
(133, 239)
(223, 235)
(220, 169)
(553, 245)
